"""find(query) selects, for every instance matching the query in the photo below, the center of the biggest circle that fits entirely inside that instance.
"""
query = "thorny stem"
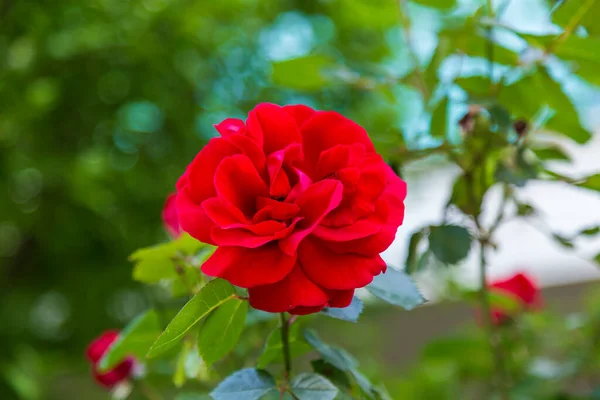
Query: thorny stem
(285, 347)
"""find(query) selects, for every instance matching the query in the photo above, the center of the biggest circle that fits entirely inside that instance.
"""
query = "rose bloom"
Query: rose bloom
(117, 374)
(520, 287)
(299, 204)
(169, 217)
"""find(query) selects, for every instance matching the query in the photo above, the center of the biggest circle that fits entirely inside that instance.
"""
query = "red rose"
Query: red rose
(522, 288)
(299, 203)
(95, 352)
(169, 216)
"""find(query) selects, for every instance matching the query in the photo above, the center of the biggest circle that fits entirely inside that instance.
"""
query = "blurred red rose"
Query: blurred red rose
(520, 287)
(169, 216)
(96, 350)
(299, 203)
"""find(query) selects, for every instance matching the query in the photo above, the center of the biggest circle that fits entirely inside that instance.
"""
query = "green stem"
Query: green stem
(496, 349)
(571, 25)
(419, 74)
(285, 347)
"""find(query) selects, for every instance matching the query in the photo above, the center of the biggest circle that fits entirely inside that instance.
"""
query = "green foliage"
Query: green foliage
(450, 244)
(395, 287)
(335, 356)
(305, 73)
(246, 384)
(222, 329)
(350, 313)
(134, 340)
(273, 349)
(308, 386)
(209, 298)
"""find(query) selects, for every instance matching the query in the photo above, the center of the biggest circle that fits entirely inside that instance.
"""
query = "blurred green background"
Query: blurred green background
(104, 102)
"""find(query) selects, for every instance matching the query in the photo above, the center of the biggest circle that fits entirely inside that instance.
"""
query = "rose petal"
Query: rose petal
(306, 310)
(293, 291)
(169, 216)
(277, 127)
(118, 374)
(222, 212)
(249, 267)
(341, 298)
(192, 217)
(230, 126)
(299, 112)
(337, 271)
(237, 181)
(273, 209)
(98, 347)
(315, 203)
(252, 236)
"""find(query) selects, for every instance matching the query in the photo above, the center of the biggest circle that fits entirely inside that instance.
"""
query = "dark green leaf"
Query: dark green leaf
(442, 51)
(153, 264)
(439, 120)
(395, 287)
(335, 375)
(412, 264)
(134, 340)
(304, 73)
(335, 356)
(309, 386)
(450, 244)
(246, 384)
(591, 182)
(210, 297)
(222, 329)
(364, 383)
(525, 210)
(597, 259)
(272, 352)
(350, 313)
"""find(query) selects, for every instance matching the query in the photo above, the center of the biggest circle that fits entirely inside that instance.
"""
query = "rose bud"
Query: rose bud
(521, 288)
(169, 216)
(96, 350)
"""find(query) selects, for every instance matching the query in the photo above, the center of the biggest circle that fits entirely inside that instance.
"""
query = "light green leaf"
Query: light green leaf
(395, 287)
(335, 356)
(134, 340)
(439, 120)
(475, 86)
(179, 377)
(444, 4)
(592, 231)
(210, 297)
(272, 352)
(153, 264)
(597, 259)
(246, 384)
(222, 329)
(591, 182)
(308, 386)
(551, 152)
(450, 244)
(193, 396)
(350, 313)
(442, 51)
(586, 11)
(304, 73)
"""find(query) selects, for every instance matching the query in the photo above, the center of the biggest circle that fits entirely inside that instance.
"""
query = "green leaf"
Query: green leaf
(153, 264)
(412, 264)
(551, 152)
(586, 11)
(222, 329)
(134, 340)
(335, 375)
(395, 287)
(350, 313)
(273, 348)
(597, 259)
(525, 97)
(193, 396)
(335, 356)
(565, 242)
(442, 51)
(592, 231)
(450, 244)
(308, 386)
(439, 120)
(210, 297)
(445, 4)
(475, 86)
(245, 384)
(591, 182)
(179, 377)
(304, 73)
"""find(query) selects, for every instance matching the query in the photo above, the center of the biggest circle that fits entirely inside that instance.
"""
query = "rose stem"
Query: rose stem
(285, 347)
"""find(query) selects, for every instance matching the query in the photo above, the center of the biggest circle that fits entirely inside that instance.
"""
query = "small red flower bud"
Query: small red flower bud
(96, 350)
